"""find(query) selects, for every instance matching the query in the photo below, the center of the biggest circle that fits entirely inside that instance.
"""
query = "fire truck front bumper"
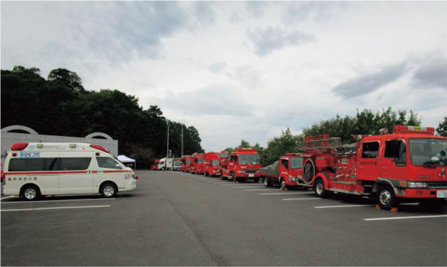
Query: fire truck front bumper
(422, 193)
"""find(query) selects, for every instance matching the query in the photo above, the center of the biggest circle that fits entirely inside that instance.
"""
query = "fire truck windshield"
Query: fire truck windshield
(296, 163)
(200, 161)
(215, 162)
(428, 151)
(248, 159)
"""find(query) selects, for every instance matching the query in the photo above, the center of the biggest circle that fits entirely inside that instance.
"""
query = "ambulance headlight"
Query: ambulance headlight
(129, 176)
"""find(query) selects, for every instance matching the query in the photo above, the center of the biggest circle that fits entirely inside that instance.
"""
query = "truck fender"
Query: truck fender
(323, 178)
(382, 181)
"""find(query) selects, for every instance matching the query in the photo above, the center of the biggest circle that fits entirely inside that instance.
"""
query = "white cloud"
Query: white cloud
(196, 61)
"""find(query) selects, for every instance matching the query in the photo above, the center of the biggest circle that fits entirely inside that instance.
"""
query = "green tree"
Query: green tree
(442, 128)
(69, 78)
(278, 146)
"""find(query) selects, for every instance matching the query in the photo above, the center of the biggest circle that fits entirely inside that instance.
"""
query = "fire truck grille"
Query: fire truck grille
(250, 171)
(437, 184)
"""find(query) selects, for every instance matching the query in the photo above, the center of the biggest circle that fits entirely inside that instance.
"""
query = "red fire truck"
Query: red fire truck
(197, 165)
(242, 164)
(154, 166)
(286, 172)
(408, 165)
(211, 164)
(186, 164)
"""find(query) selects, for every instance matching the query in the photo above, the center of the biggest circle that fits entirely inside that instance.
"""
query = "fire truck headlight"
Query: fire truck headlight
(292, 179)
(241, 172)
(417, 185)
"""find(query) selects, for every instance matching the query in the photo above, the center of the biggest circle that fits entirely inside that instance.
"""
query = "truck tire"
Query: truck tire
(282, 184)
(30, 192)
(256, 180)
(386, 199)
(267, 182)
(319, 189)
(108, 190)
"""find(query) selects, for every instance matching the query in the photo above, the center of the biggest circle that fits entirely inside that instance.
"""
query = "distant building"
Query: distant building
(18, 133)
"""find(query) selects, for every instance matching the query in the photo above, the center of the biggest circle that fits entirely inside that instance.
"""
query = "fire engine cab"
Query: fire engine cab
(243, 164)
(408, 165)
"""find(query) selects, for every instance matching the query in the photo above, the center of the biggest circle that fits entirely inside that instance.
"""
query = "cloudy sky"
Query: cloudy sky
(242, 70)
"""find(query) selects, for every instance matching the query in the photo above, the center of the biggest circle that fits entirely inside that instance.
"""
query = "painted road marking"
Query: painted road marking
(403, 218)
(57, 200)
(263, 189)
(304, 198)
(245, 187)
(302, 193)
(7, 197)
(344, 206)
(58, 208)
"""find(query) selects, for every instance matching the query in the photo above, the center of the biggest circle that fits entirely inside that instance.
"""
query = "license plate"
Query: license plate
(441, 193)
(251, 175)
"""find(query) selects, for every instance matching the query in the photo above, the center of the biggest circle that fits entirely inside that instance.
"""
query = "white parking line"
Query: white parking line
(301, 193)
(303, 198)
(7, 197)
(403, 218)
(263, 189)
(57, 200)
(343, 206)
(59, 208)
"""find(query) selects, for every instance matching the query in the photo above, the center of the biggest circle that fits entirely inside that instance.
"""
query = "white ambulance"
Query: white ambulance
(38, 169)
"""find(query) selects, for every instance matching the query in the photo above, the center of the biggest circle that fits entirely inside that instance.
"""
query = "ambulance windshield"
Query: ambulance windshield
(428, 151)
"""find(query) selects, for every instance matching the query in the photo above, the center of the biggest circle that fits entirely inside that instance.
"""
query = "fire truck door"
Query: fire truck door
(393, 160)
(368, 167)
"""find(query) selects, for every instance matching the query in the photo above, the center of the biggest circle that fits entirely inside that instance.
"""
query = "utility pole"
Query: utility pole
(167, 146)
(182, 143)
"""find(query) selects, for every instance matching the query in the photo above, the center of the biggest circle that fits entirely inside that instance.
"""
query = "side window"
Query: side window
(74, 164)
(285, 163)
(396, 150)
(109, 163)
(370, 150)
(30, 164)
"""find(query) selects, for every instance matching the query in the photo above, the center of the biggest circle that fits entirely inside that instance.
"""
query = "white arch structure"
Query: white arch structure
(18, 128)
(99, 134)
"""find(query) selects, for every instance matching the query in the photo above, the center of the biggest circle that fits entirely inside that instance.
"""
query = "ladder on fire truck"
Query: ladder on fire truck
(319, 142)
(314, 145)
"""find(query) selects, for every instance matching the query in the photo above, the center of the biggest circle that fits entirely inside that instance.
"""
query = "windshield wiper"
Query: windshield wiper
(430, 163)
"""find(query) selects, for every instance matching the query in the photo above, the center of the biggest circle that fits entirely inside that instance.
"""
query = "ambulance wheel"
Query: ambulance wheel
(108, 190)
(267, 182)
(319, 189)
(386, 198)
(283, 185)
(30, 192)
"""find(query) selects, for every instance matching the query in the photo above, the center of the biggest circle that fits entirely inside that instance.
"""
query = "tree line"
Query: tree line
(60, 105)
(364, 122)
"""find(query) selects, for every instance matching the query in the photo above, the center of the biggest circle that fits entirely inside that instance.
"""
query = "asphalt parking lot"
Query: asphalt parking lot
(183, 219)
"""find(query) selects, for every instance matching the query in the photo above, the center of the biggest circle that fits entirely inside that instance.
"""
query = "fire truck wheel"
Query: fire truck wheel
(206, 174)
(256, 180)
(267, 182)
(283, 184)
(319, 189)
(386, 198)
